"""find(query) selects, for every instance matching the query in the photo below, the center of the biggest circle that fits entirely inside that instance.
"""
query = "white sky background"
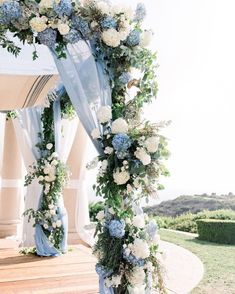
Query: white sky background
(195, 41)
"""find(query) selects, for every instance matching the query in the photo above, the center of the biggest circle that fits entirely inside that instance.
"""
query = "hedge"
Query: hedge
(219, 231)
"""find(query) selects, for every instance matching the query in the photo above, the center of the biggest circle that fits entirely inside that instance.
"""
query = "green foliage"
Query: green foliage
(188, 222)
(8, 44)
(218, 231)
(28, 251)
(94, 208)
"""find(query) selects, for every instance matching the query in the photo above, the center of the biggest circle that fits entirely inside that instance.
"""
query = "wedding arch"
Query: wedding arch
(107, 75)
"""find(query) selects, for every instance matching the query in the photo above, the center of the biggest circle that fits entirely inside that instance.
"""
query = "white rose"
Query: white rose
(111, 37)
(54, 225)
(152, 144)
(104, 114)
(58, 223)
(45, 4)
(137, 277)
(104, 165)
(140, 248)
(38, 24)
(49, 146)
(95, 134)
(108, 150)
(138, 221)
(54, 162)
(103, 7)
(52, 212)
(40, 178)
(45, 226)
(100, 215)
(63, 28)
(145, 38)
(121, 177)
(119, 126)
(140, 289)
(94, 24)
(143, 156)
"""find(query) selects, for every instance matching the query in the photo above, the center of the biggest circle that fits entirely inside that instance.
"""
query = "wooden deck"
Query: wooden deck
(71, 273)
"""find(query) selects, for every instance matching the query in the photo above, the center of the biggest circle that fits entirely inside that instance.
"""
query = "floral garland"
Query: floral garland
(52, 174)
(127, 245)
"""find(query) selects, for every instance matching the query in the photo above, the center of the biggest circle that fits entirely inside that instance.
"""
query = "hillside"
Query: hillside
(194, 204)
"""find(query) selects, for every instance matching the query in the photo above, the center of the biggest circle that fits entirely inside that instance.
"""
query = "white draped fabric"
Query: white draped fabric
(27, 126)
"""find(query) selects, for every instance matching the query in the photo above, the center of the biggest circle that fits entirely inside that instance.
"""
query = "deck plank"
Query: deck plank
(73, 272)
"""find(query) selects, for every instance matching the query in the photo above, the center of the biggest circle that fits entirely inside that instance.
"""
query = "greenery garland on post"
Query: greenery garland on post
(133, 149)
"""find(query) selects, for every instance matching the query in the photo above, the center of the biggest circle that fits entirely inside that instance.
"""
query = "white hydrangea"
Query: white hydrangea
(111, 37)
(124, 30)
(121, 177)
(103, 7)
(100, 215)
(152, 144)
(104, 114)
(119, 126)
(45, 4)
(139, 221)
(143, 156)
(145, 38)
(95, 134)
(108, 150)
(38, 24)
(140, 289)
(140, 248)
(63, 28)
(137, 276)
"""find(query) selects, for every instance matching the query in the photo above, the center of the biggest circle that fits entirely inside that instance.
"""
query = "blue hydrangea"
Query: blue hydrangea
(122, 154)
(133, 260)
(102, 270)
(9, 11)
(117, 228)
(125, 78)
(81, 25)
(72, 37)
(47, 37)
(140, 12)
(151, 229)
(108, 23)
(64, 7)
(121, 142)
(136, 163)
(133, 39)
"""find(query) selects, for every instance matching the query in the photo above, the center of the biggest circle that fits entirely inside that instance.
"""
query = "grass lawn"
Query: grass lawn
(218, 260)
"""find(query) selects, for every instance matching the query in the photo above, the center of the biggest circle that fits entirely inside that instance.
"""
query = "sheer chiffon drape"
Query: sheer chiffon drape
(88, 88)
(27, 126)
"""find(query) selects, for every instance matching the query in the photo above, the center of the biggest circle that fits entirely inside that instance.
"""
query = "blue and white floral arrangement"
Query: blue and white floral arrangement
(133, 149)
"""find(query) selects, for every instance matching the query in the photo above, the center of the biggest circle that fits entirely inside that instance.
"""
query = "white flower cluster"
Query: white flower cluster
(121, 177)
(114, 281)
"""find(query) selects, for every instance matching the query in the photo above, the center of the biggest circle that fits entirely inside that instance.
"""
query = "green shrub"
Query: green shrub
(187, 222)
(219, 231)
(94, 208)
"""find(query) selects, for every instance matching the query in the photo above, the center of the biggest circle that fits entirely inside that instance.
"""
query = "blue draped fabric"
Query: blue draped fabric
(87, 85)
